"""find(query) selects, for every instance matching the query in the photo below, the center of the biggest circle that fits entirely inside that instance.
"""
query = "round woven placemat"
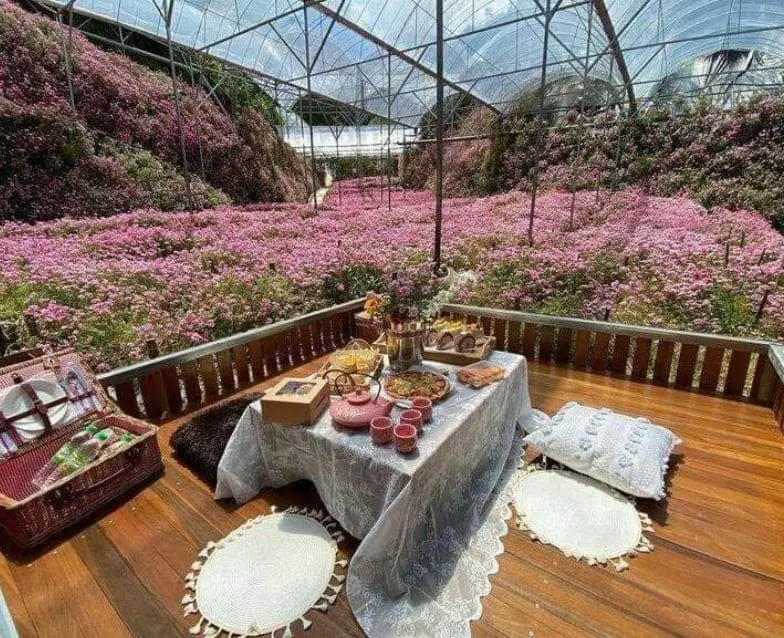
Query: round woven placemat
(582, 517)
(266, 575)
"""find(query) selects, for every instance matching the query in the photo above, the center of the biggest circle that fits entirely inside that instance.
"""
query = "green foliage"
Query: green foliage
(457, 107)
(108, 333)
(73, 147)
(164, 184)
(14, 299)
(352, 166)
(353, 282)
(722, 158)
(236, 90)
(732, 310)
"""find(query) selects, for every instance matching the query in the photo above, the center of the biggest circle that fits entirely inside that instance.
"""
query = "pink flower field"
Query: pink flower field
(109, 285)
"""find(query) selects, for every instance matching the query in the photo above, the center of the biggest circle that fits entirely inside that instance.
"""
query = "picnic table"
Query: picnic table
(430, 522)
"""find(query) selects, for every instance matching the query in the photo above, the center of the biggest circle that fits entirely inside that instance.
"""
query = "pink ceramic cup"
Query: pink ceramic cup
(405, 438)
(412, 417)
(424, 405)
(381, 430)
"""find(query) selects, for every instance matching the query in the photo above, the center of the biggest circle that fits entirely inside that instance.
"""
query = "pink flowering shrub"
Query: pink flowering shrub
(108, 285)
(51, 165)
(730, 158)
(132, 105)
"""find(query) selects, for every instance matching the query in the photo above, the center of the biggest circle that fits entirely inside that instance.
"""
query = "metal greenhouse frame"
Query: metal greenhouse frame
(397, 61)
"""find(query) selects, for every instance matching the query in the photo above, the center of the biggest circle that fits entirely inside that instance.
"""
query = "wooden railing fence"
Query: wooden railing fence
(182, 381)
(732, 367)
(735, 368)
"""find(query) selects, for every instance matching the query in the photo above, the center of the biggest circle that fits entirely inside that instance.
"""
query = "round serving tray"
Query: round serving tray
(398, 397)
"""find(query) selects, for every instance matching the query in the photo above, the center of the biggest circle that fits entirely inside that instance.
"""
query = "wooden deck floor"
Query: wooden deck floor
(718, 566)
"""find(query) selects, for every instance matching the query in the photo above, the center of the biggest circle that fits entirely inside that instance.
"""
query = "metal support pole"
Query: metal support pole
(301, 124)
(389, 132)
(618, 151)
(606, 132)
(66, 43)
(167, 15)
(439, 131)
(358, 168)
(338, 169)
(310, 111)
(615, 47)
(576, 164)
(539, 135)
(198, 121)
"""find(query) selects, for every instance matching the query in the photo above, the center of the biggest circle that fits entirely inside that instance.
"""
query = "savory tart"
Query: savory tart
(406, 385)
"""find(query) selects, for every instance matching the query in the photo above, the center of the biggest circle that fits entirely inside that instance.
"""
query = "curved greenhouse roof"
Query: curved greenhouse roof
(380, 55)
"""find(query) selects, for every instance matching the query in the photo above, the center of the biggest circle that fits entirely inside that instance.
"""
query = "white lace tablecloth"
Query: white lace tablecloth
(430, 522)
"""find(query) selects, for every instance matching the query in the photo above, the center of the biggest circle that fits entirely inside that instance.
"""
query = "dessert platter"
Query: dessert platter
(452, 341)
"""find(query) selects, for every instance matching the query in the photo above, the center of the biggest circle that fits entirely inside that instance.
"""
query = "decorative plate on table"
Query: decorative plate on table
(417, 383)
(31, 427)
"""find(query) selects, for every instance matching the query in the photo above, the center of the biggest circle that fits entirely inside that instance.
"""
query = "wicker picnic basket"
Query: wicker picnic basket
(30, 515)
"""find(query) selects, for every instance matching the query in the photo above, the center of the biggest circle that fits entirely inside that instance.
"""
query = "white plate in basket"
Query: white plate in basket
(31, 427)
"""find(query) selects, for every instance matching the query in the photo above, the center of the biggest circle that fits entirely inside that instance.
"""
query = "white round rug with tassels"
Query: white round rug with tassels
(265, 575)
(582, 517)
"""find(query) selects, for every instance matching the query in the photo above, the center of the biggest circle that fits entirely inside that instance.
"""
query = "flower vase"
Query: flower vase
(404, 347)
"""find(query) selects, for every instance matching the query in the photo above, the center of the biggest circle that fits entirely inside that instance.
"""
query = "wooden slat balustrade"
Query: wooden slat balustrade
(172, 384)
(717, 533)
(735, 368)
(717, 570)
(732, 367)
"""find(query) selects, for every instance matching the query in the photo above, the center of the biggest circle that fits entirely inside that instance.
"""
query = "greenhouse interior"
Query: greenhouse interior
(301, 299)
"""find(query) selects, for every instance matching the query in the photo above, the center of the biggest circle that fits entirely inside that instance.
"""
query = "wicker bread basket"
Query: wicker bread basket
(30, 515)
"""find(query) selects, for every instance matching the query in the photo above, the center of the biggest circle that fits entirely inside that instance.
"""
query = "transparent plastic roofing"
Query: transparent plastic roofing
(380, 55)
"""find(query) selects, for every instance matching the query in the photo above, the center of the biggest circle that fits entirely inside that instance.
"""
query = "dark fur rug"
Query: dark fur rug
(199, 443)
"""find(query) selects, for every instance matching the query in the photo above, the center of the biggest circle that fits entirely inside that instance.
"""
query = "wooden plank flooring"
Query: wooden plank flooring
(718, 566)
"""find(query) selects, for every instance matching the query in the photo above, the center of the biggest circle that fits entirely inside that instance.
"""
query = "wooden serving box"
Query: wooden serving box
(481, 352)
(30, 515)
(295, 401)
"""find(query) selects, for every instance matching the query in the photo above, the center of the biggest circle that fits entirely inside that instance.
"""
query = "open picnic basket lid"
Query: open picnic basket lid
(48, 392)
(43, 402)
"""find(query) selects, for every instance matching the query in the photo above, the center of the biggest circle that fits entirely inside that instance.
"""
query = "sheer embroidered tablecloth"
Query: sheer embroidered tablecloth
(430, 522)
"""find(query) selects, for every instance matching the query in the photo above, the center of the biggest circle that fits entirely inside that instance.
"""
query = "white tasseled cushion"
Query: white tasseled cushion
(630, 454)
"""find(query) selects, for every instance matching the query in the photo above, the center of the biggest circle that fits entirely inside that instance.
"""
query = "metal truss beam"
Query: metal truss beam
(324, 40)
(389, 48)
(615, 48)
(421, 49)
(263, 78)
(258, 25)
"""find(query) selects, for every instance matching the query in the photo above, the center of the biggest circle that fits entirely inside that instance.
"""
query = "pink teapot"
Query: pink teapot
(355, 408)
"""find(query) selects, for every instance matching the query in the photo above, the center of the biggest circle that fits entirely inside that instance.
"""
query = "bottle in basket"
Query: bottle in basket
(124, 440)
(82, 454)
(76, 461)
(61, 456)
